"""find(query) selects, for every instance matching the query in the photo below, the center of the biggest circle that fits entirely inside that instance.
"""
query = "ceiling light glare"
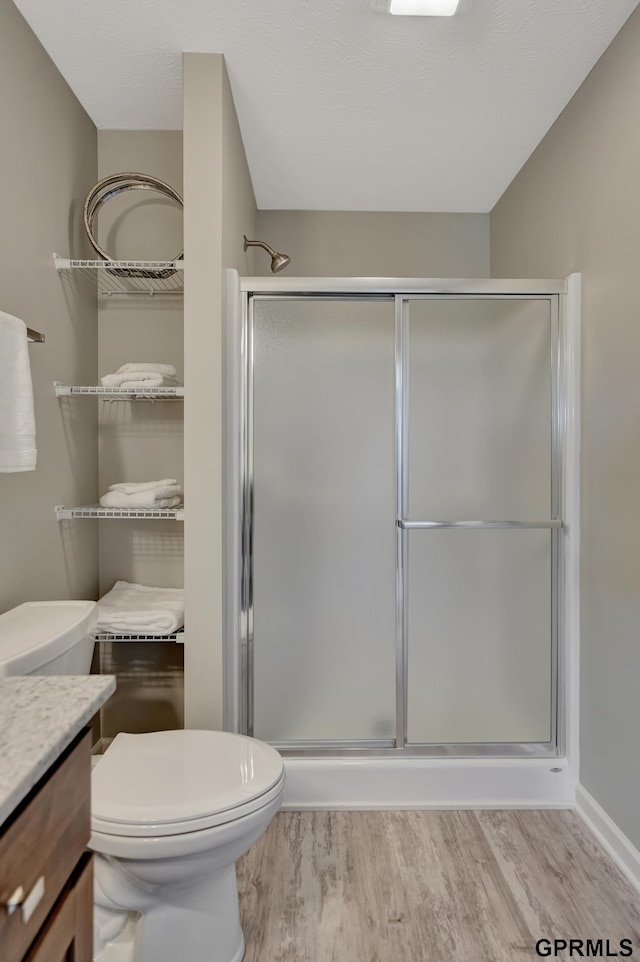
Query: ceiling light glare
(424, 8)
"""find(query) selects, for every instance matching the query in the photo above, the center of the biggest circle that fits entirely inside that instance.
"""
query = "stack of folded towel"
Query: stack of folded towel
(139, 374)
(166, 493)
(137, 609)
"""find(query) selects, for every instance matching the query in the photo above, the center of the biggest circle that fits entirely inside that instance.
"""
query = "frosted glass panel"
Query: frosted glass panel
(479, 636)
(324, 535)
(479, 410)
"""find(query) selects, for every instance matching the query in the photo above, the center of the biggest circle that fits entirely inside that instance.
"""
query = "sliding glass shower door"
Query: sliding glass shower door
(323, 521)
(401, 522)
(479, 473)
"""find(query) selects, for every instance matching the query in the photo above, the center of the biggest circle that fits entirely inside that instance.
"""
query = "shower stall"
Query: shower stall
(402, 533)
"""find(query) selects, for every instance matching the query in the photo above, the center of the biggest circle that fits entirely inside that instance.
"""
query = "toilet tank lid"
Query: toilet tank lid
(157, 778)
(38, 631)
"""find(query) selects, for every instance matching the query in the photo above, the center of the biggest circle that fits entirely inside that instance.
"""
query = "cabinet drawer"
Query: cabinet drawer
(67, 935)
(44, 841)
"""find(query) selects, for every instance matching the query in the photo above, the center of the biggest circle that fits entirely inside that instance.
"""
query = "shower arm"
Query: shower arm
(248, 243)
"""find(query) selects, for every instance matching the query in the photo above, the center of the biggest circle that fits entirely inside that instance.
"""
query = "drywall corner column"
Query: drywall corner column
(202, 86)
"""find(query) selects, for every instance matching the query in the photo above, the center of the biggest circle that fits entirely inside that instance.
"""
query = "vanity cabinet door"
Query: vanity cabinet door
(68, 934)
(41, 848)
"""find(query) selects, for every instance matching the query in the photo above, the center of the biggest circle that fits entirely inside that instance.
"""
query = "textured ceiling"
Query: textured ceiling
(341, 106)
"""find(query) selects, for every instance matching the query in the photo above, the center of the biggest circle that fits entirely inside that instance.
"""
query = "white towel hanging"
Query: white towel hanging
(17, 422)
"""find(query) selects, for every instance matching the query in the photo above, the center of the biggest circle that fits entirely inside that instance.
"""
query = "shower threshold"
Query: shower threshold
(399, 780)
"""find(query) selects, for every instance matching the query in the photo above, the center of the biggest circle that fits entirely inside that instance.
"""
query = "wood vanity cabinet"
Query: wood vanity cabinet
(43, 853)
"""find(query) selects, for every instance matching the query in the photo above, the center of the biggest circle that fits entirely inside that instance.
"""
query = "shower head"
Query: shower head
(278, 261)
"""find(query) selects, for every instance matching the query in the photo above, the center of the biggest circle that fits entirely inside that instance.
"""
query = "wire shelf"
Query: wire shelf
(97, 511)
(128, 277)
(176, 636)
(119, 393)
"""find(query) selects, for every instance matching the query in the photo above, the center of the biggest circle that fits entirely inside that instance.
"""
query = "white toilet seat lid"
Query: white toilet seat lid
(148, 783)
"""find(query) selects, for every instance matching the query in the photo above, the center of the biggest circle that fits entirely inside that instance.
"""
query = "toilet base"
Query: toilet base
(123, 949)
(199, 922)
(120, 950)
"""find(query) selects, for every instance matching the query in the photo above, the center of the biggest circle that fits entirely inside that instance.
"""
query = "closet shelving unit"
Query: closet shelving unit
(119, 393)
(129, 278)
(124, 277)
(97, 511)
(176, 636)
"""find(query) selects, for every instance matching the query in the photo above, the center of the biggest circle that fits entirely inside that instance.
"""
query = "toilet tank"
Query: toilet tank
(47, 638)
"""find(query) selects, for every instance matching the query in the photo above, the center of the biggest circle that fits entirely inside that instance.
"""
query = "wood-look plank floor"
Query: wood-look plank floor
(455, 886)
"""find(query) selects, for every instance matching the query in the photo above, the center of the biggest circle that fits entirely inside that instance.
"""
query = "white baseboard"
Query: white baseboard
(615, 842)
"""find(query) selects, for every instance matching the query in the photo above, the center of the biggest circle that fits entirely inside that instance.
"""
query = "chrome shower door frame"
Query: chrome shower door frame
(400, 292)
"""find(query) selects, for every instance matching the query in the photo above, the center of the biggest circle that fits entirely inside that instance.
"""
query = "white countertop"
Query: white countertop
(39, 716)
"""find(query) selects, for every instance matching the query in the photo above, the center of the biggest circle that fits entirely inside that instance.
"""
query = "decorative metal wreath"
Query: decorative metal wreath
(110, 187)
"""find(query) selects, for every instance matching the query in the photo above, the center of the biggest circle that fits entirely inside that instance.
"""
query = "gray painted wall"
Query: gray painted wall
(575, 206)
(48, 161)
(375, 244)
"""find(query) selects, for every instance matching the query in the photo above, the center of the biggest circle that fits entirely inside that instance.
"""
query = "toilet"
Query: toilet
(171, 811)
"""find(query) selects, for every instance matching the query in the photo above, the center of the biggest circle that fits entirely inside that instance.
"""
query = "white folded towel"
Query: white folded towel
(166, 493)
(137, 609)
(151, 373)
(131, 487)
(143, 499)
(154, 380)
(17, 422)
(139, 379)
(167, 369)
